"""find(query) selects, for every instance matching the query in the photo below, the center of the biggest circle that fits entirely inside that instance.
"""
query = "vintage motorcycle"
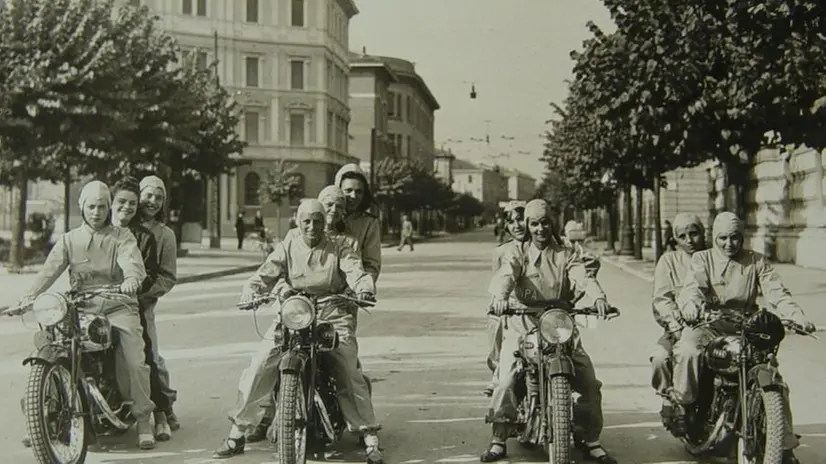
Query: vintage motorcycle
(740, 408)
(308, 416)
(71, 394)
(545, 373)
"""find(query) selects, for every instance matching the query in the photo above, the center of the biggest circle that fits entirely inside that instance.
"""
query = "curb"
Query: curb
(217, 274)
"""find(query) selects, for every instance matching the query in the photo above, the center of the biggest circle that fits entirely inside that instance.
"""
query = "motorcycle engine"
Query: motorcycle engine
(529, 346)
(722, 354)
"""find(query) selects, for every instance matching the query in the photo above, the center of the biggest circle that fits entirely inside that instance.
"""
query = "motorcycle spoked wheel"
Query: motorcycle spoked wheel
(765, 426)
(560, 412)
(292, 420)
(58, 434)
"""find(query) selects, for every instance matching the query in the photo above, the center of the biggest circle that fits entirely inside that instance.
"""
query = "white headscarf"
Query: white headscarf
(683, 220)
(727, 223)
(94, 191)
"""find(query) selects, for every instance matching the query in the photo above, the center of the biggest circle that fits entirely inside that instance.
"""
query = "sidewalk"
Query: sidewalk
(808, 286)
(199, 264)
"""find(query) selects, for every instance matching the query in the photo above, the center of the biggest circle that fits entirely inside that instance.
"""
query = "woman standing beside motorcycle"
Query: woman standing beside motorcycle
(537, 271)
(732, 276)
(153, 199)
(99, 255)
(320, 265)
(669, 274)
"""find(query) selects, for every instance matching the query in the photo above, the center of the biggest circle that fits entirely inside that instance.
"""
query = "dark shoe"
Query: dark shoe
(374, 455)
(678, 426)
(492, 456)
(260, 432)
(231, 447)
(667, 416)
(789, 457)
(172, 420)
(588, 453)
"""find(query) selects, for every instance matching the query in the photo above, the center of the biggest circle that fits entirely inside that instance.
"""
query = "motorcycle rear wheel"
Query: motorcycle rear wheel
(292, 420)
(559, 449)
(769, 404)
(48, 429)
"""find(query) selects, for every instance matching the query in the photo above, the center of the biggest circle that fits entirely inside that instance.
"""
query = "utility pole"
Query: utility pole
(215, 224)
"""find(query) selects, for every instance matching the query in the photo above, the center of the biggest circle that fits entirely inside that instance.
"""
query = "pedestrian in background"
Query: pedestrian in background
(407, 233)
(669, 242)
(240, 229)
(259, 223)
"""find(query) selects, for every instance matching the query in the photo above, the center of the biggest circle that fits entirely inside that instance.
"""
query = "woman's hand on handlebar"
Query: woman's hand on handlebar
(603, 308)
(367, 296)
(130, 287)
(499, 306)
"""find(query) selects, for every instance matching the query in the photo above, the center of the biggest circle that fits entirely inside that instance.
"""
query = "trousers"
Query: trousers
(163, 395)
(662, 365)
(494, 332)
(504, 402)
(260, 378)
(687, 369)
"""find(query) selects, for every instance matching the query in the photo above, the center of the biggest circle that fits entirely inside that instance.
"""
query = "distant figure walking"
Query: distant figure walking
(407, 233)
(669, 242)
(240, 229)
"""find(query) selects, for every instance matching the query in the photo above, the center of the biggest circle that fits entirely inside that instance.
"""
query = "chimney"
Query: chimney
(364, 50)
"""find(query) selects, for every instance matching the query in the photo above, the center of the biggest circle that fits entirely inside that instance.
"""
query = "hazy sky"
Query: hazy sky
(516, 51)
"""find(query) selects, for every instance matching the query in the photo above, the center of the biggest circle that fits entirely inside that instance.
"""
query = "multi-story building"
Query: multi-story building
(370, 80)
(287, 64)
(486, 184)
(411, 109)
(443, 165)
(520, 185)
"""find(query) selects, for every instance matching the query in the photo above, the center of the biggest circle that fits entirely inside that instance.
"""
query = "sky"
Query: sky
(517, 52)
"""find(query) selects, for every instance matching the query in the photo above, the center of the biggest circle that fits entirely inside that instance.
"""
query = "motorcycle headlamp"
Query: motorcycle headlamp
(297, 312)
(556, 326)
(50, 308)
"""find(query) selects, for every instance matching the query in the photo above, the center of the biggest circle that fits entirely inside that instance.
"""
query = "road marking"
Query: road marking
(446, 421)
(634, 425)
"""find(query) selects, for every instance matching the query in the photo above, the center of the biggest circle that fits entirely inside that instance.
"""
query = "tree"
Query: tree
(59, 75)
(282, 183)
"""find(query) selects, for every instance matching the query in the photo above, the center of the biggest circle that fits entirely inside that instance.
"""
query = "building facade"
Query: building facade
(411, 113)
(370, 80)
(520, 185)
(443, 166)
(488, 185)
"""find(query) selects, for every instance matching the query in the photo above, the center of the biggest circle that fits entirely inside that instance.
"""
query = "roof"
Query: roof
(406, 71)
(517, 173)
(464, 165)
(370, 62)
(349, 7)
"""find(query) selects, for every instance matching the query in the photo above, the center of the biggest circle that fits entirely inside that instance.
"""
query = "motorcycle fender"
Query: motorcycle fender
(560, 365)
(49, 354)
(292, 361)
(767, 377)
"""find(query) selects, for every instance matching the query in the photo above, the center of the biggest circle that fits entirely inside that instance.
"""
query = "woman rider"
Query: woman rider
(335, 204)
(126, 202)
(99, 255)
(537, 271)
(668, 280)
(153, 199)
(515, 226)
(733, 276)
(320, 265)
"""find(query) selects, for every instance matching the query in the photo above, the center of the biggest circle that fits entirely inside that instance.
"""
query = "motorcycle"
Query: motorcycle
(71, 393)
(740, 408)
(545, 374)
(308, 415)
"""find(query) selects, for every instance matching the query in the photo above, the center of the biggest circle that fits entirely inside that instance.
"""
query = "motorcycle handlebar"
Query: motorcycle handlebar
(520, 310)
(74, 297)
(712, 315)
(268, 298)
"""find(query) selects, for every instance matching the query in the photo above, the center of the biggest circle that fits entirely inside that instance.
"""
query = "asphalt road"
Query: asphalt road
(424, 346)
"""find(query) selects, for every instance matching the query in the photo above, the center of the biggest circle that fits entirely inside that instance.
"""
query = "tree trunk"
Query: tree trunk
(658, 233)
(627, 233)
(18, 231)
(67, 198)
(610, 208)
(638, 229)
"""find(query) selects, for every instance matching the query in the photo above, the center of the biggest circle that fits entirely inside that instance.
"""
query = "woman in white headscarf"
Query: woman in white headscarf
(153, 199)
(671, 270)
(732, 276)
(97, 255)
(313, 263)
(539, 270)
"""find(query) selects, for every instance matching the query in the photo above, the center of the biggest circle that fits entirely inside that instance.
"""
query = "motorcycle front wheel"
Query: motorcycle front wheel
(765, 428)
(54, 413)
(292, 420)
(559, 398)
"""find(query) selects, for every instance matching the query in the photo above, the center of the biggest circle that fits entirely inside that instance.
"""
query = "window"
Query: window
(297, 74)
(410, 153)
(330, 129)
(201, 60)
(297, 130)
(409, 106)
(186, 7)
(469, 178)
(251, 126)
(252, 183)
(251, 63)
(135, 2)
(297, 16)
(391, 105)
(201, 8)
(252, 11)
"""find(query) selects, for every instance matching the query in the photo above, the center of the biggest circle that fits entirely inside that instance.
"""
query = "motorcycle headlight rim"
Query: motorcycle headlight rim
(297, 312)
(50, 308)
(556, 326)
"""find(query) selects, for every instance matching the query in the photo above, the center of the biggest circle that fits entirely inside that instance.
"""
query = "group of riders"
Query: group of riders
(335, 248)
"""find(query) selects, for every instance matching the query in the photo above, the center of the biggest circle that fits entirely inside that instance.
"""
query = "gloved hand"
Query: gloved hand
(602, 307)
(130, 287)
(285, 292)
(499, 306)
(367, 296)
(690, 312)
